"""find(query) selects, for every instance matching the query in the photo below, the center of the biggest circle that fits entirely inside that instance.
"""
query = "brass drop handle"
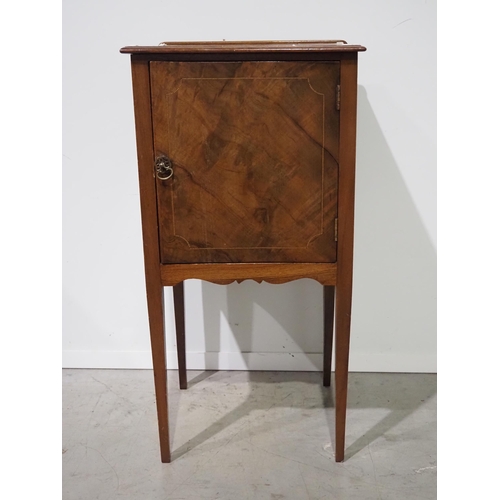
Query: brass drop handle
(164, 168)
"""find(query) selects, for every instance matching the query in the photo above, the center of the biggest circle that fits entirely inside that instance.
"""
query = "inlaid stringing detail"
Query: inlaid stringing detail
(321, 230)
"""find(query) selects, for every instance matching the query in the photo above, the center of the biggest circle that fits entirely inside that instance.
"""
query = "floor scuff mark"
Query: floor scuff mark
(422, 469)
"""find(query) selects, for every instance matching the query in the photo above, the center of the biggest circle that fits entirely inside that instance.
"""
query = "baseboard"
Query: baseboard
(296, 361)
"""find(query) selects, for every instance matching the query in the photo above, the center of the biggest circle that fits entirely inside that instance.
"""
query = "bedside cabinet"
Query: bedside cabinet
(246, 154)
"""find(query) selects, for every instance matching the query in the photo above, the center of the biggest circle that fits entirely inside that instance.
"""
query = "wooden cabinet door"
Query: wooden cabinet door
(254, 150)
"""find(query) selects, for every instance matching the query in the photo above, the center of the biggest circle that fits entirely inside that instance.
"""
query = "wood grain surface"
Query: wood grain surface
(254, 148)
(284, 46)
(348, 83)
(154, 286)
(223, 274)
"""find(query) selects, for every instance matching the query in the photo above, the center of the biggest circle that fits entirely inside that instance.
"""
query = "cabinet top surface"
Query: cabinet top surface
(254, 46)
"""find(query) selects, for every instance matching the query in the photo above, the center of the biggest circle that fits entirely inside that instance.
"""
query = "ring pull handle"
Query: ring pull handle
(164, 168)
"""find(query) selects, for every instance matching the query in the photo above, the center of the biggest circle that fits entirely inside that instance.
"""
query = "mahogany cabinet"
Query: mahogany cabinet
(246, 154)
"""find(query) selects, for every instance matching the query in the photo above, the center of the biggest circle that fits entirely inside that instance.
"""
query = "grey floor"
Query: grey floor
(248, 435)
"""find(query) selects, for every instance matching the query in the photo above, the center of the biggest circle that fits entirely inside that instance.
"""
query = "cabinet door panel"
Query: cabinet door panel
(254, 149)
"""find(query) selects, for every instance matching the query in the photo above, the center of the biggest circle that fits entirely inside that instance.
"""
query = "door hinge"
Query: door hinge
(338, 97)
(336, 229)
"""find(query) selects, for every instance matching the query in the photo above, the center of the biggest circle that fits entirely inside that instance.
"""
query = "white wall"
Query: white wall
(250, 326)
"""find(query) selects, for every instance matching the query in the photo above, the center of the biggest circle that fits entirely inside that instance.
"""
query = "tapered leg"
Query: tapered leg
(154, 287)
(328, 302)
(180, 331)
(342, 334)
(157, 331)
(345, 244)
